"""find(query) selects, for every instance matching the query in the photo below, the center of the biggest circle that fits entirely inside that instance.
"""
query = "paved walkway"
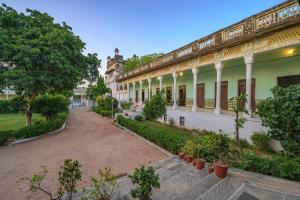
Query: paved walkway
(91, 139)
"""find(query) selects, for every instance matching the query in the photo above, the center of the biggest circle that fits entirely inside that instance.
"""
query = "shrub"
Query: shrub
(261, 140)
(106, 103)
(68, 176)
(279, 166)
(168, 138)
(144, 180)
(212, 146)
(138, 118)
(15, 105)
(189, 148)
(126, 105)
(34, 130)
(281, 113)
(244, 143)
(50, 105)
(156, 107)
(171, 122)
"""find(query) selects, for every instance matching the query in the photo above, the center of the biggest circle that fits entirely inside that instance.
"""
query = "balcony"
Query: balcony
(249, 28)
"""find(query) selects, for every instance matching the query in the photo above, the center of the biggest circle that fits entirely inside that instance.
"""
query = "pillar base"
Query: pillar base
(194, 108)
(217, 110)
(174, 107)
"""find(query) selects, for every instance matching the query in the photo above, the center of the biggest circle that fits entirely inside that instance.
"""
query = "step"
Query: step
(224, 189)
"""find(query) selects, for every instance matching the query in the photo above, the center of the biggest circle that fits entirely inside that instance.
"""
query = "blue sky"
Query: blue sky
(143, 26)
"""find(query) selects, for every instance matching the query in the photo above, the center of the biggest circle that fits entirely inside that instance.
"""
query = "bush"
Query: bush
(279, 166)
(139, 118)
(168, 138)
(261, 140)
(144, 180)
(126, 105)
(50, 105)
(281, 113)
(244, 143)
(34, 130)
(15, 105)
(156, 107)
(106, 103)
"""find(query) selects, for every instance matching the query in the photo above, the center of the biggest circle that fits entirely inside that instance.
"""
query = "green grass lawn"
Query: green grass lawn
(15, 121)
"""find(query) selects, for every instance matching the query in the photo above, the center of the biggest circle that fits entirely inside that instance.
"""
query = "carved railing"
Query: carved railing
(277, 15)
(249, 26)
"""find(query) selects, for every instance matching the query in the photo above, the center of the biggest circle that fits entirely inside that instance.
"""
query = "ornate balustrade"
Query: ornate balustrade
(249, 27)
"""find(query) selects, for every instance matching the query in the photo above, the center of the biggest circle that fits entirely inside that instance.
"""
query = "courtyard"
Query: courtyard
(91, 139)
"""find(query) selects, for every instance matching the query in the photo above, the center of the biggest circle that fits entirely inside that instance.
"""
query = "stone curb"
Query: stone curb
(33, 138)
(145, 140)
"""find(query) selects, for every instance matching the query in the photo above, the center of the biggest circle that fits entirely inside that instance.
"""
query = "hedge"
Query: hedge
(34, 130)
(105, 113)
(168, 138)
(12, 106)
(279, 166)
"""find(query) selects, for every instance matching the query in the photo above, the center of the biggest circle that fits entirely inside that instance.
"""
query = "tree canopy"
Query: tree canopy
(156, 107)
(136, 61)
(38, 55)
(95, 90)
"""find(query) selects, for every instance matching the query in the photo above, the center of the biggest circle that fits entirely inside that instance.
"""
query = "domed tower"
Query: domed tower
(114, 67)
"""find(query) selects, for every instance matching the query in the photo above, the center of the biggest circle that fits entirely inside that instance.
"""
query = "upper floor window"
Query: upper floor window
(286, 81)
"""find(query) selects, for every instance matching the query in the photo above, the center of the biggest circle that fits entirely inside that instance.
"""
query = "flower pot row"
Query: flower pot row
(219, 167)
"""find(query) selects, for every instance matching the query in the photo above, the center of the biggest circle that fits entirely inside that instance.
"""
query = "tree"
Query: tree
(95, 90)
(136, 61)
(156, 107)
(239, 108)
(281, 113)
(40, 56)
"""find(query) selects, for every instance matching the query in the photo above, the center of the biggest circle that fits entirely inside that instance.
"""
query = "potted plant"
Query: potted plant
(189, 150)
(210, 168)
(200, 162)
(181, 155)
(221, 165)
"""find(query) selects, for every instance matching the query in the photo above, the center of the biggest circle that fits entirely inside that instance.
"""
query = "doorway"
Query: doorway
(169, 94)
(201, 95)
(182, 95)
(224, 94)
(242, 90)
(137, 96)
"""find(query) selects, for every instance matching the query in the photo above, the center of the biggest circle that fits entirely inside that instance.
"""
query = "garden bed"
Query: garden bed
(251, 159)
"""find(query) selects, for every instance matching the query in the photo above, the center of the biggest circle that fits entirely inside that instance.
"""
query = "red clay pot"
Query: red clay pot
(210, 169)
(221, 168)
(200, 163)
(181, 155)
(194, 162)
(189, 159)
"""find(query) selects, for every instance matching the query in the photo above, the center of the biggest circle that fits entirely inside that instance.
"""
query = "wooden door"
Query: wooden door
(224, 94)
(201, 95)
(169, 94)
(242, 89)
(137, 96)
(143, 95)
(182, 95)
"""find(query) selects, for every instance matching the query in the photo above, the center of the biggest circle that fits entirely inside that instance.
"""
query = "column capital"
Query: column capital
(149, 80)
(248, 57)
(219, 65)
(160, 77)
(195, 71)
(174, 74)
(133, 83)
(141, 82)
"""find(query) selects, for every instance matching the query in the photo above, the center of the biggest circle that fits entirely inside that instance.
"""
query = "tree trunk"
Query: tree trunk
(29, 110)
(237, 134)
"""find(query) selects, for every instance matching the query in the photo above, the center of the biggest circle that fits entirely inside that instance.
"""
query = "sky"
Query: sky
(143, 26)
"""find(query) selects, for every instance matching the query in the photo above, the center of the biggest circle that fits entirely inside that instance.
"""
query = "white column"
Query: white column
(249, 59)
(133, 93)
(128, 92)
(195, 72)
(160, 82)
(119, 103)
(174, 90)
(219, 67)
(149, 89)
(141, 89)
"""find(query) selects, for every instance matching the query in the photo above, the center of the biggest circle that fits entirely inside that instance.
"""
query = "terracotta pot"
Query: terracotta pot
(181, 155)
(210, 168)
(189, 159)
(220, 168)
(200, 163)
(194, 162)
